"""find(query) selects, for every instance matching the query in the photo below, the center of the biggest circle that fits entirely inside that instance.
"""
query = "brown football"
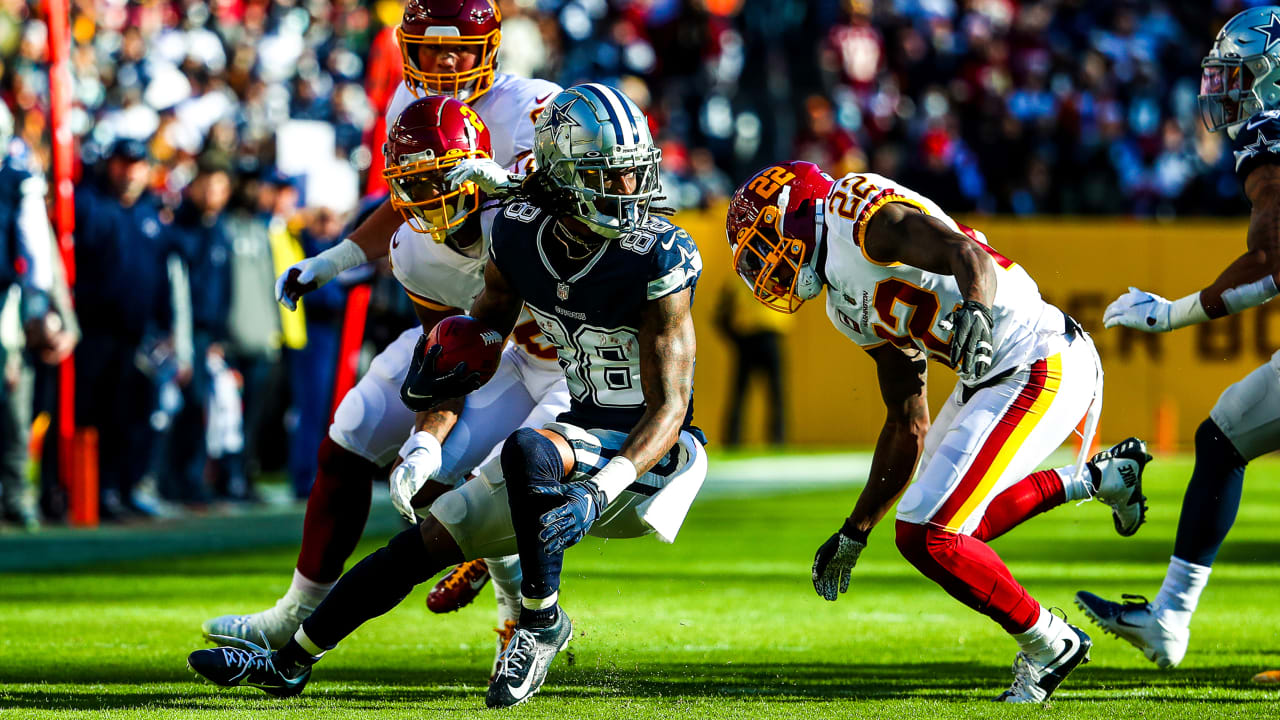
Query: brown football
(464, 339)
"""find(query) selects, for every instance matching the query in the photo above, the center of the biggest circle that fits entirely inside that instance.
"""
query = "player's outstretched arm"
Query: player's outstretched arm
(1248, 281)
(902, 374)
(370, 241)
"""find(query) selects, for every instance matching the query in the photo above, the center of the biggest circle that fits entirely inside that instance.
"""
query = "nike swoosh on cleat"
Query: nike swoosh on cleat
(1065, 651)
(519, 691)
(477, 584)
(1120, 621)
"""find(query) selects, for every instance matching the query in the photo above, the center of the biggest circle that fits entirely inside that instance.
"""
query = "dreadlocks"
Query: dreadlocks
(539, 190)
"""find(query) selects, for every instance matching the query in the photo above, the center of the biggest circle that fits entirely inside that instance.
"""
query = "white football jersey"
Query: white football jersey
(440, 278)
(874, 303)
(509, 109)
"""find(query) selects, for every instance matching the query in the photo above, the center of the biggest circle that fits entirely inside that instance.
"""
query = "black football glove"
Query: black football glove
(971, 346)
(835, 559)
(425, 387)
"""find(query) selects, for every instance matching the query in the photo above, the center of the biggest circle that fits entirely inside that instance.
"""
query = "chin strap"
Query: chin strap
(808, 281)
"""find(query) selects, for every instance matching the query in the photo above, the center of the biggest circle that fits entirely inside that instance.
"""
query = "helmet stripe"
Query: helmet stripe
(617, 111)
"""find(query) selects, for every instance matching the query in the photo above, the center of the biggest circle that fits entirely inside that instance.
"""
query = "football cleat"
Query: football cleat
(1267, 677)
(523, 665)
(1034, 682)
(1134, 621)
(277, 624)
(253, 665)
(505, 633)
(1117, 481)
(459, 587)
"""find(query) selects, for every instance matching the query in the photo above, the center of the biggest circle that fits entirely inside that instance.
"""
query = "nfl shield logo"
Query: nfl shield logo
(562, 291)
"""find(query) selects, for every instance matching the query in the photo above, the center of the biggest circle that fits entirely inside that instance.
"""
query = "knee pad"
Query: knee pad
(529, 458)
(1213, 445)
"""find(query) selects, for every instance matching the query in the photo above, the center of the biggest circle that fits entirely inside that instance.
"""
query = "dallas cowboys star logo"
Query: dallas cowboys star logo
(1262, 145)
(1271, 30)
(560, 117)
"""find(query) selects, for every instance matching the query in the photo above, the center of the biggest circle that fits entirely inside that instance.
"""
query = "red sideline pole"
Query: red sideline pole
(353, 322)
(83, 499)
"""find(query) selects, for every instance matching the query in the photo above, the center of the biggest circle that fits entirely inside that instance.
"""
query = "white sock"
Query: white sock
(1041, 642)
(506, 575)
(1180, 592)
(306, 591)
(1078, 486)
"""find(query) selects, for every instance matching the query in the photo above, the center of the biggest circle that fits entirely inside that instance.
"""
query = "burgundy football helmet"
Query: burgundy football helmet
(472, 24)
(773, 226)
(430, 136)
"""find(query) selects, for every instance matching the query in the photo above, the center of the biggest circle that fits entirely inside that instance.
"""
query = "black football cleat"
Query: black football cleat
(252, 665)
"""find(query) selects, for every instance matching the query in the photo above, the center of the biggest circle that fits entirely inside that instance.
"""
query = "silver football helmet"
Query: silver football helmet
(595, 143)
(1240, 75)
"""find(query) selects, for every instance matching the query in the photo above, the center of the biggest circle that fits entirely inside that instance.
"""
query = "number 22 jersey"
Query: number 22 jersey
(592, 316)
(875, 303)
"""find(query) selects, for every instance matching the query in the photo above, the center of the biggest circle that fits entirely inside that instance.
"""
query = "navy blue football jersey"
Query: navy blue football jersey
(592, 316)
(1257, 143)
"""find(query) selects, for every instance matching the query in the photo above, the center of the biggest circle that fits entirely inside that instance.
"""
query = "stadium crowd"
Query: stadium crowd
(197, 126)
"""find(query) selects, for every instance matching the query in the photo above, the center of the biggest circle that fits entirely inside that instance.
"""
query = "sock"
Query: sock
(1081, 486)
(1180, 592)
(539, 612)
(373, 587)
(1212, 499)
(336, 512)
(306, 592)
(1042, 641)
(505, 573)
(1030, 496)
(298, 654)
(530, 460)
(970, 572)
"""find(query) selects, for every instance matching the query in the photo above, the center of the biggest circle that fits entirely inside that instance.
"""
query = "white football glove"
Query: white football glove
(310, 273)
(1140, 310)
(421, 462)
(492, 178)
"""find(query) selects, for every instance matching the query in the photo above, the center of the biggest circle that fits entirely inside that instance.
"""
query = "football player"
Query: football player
(908, 284)
(449, 49)
(610, 286)
(1239, 93)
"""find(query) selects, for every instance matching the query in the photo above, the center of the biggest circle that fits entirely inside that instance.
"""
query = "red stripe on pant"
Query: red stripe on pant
(970, 572)
(994, 442)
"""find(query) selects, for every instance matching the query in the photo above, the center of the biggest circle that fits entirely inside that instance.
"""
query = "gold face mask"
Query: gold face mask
(423, 198)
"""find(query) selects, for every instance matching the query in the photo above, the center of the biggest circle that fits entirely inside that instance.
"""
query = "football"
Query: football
(465, 339)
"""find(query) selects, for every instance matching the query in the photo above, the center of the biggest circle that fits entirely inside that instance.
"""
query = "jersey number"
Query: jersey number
(597, 362)
(913, 311)
(771, 180)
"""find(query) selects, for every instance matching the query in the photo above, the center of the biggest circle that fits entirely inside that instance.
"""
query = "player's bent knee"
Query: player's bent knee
(340, 463)
(1213, 445)
(921, 544)
(530, 458)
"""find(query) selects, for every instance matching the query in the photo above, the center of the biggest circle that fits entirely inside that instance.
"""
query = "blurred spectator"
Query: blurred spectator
(201, 236)
(28, 321)
(125, 308)
(754, 333)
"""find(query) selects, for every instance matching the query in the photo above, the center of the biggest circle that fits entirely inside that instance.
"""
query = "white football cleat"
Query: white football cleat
(1034, 682)
(1117, 479)
(1161, 642)
(277, 623)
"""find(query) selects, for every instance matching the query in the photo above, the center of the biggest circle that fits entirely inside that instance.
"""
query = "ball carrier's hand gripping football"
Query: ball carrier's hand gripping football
(835, 559)
(455, 359)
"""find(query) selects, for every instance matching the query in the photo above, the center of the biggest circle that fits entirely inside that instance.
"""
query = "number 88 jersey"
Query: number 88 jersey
(876, 303)
(593, 315)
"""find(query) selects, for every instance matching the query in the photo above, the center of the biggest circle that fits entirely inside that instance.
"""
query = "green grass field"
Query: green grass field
(724, 623)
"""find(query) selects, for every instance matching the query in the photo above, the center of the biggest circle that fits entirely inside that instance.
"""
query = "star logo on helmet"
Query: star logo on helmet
(559, 117)
(1271, 30)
